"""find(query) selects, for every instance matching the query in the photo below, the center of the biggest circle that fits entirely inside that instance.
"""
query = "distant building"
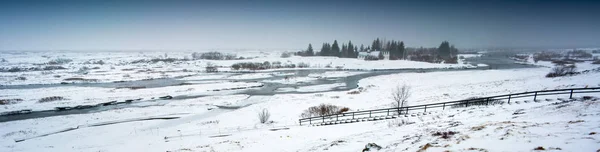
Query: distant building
(363, 55)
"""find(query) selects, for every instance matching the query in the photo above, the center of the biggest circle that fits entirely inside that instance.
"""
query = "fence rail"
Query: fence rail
(443, 105)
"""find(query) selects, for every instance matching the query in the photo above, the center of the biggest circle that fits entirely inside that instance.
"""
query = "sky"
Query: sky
(197, 25)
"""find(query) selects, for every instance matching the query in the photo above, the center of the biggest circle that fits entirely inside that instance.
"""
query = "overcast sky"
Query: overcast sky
(195, 25)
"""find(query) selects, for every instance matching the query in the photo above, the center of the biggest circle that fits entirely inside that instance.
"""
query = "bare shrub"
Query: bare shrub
(50, 99)
(399, 122)
(286, 55)
(444, 134)
(559, 71)
(21, 78)
(323, 110)
(400, 94)
(59, 61)
(9, 101)
(345, 109)
(210, 67)
(264, 116)
(476, 101)
(303, 65)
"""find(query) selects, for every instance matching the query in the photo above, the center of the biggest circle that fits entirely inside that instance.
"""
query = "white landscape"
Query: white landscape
(180, 106)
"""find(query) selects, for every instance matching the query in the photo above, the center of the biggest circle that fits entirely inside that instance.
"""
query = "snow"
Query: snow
(314, 88)
(94, 95)
(567, 126)
(334, 74)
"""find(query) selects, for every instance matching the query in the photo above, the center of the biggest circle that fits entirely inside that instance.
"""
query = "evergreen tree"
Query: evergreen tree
(335, 49)
(344, 52)
(325, 50)
(376, 46)
(350, 50)
(362, 48)
(444, 50)
(309, 51)
(402, 50)
(355, 52)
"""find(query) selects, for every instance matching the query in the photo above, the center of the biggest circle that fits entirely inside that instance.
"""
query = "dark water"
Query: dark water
(493, 60)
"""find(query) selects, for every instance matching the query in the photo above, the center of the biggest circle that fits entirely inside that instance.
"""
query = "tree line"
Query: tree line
(396, 49)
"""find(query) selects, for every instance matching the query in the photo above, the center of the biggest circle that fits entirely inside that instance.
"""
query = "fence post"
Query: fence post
(535, 96)
(323, 119)
(425, 109)
(388, 113)
(444, 106)
(467, 103)
(336, 117)
(509, 99)
(353, 115)
(301, 122)
(309, 121)
(571, 96)
(370, 114)
(487, 101)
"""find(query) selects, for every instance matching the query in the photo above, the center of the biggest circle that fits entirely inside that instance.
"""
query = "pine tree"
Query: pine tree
(376, 46)
(309, 51)
(362, 48)
(444, 50)
(350, 50)
(402, 50)
(335, 49)
(344, 52)
(325, 50)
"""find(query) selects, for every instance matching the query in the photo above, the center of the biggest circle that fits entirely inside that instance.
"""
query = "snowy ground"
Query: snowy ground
(568, 126)
(120, 66)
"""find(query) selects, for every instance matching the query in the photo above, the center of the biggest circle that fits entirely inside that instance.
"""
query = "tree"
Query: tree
(362, 48)
(400, 94)
(376, 46)
(350, 50)
(344, 52)
(402, 50)
(444, 50)
(335, 49)
(309, 51)
(325, 50)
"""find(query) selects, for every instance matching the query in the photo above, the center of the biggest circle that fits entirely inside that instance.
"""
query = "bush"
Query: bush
(545, 56)
(286, 55)
(21, 78)
(3, 60)
(59, 61)
(371, 58)
(52, 98)
(580, 54)
(476, 101)
(399, 122)
(596, 62)
(322, 110)
(213, 56)
(559, 71)
(47, 68)
(264, 116)
(10, 101)
(303, 65)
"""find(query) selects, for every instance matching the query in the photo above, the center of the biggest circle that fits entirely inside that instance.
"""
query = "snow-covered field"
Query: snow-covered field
(569, 126)
(126, 66)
